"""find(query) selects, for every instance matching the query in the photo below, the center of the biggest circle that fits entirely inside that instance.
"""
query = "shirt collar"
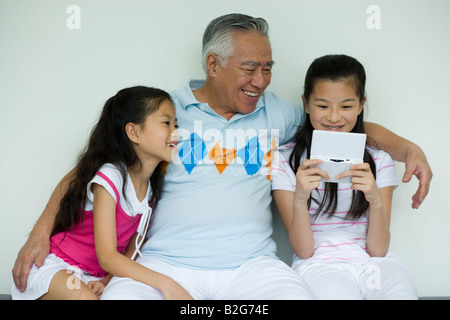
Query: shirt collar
(187, 98)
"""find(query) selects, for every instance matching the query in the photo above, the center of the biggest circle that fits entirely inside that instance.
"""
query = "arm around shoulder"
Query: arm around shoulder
(403, 150)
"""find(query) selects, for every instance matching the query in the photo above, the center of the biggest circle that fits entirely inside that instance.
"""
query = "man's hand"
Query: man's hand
(402, 150)
(34, 251)
(416, 164)
(37, 247)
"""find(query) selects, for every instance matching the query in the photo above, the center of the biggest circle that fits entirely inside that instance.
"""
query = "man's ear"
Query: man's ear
(132, 131)
(212, 61)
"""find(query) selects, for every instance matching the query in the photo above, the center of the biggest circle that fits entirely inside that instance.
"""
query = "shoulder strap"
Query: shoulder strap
(111, 184)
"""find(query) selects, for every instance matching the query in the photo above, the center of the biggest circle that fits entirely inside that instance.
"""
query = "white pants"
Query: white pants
(261, 278)
(380, 279)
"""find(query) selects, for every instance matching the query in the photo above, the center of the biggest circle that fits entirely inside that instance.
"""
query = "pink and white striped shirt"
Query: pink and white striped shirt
(336, 238)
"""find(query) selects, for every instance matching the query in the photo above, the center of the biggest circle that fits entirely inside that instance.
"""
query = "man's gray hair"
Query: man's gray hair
(218, 36)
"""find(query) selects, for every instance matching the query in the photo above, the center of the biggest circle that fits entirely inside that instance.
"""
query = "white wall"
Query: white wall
(54, 82)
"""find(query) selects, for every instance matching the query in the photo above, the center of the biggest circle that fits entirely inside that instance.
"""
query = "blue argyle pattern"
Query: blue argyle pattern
(193, 150)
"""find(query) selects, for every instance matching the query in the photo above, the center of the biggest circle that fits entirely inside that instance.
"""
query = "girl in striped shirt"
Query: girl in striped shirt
(339, 231)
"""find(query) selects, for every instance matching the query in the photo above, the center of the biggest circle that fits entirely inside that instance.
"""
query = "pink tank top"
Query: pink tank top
(77, 246)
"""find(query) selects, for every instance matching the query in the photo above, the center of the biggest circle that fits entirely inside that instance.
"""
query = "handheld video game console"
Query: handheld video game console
(338, 150)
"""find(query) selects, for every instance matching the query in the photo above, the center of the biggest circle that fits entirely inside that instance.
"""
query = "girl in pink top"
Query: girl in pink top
(107, 204)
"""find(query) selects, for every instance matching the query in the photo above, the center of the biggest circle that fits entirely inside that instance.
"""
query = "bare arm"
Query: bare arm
(295, 218)
(293, 207)
(380, 200)
(118, 264)
(37, 247)
(405, 151)
(378, 234)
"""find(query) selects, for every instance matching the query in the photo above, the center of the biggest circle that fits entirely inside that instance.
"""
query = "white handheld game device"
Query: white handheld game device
(338, 150)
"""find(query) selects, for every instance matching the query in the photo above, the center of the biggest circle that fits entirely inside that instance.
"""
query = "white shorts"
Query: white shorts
(39, 279)
(261, 278)
(383, 278)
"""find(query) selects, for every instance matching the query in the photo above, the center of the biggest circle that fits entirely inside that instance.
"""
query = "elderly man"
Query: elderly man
(212, 229)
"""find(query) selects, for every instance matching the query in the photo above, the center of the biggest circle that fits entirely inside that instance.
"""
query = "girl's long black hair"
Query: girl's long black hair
(333, 68)
(109, 143)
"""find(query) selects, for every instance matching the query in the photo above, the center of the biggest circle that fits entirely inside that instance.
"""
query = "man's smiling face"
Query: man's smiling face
(245, 75)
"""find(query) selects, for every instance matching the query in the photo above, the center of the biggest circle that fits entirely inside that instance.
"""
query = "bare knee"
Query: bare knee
(84, 293)
(66, 286)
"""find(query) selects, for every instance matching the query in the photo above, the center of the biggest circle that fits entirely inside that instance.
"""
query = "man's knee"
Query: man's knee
(129, 289)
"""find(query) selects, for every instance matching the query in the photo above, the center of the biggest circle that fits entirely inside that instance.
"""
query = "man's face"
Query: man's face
(244, 76)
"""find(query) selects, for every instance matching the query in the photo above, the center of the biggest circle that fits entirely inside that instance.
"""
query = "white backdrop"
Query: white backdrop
(59, 64)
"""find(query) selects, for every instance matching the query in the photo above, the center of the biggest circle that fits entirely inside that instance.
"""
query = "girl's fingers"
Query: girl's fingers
(358, 170)
(360, 166)
(309, 162)
(306, 169)
(360, 184)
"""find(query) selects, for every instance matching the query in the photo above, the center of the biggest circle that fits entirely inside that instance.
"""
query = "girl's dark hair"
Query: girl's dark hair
(109, 143)
(334, 68)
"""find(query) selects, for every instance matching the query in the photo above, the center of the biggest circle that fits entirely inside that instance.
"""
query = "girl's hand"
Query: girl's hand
(173, 291)
(97, 287)
(378, 235)
(308, 178)
(363, 180)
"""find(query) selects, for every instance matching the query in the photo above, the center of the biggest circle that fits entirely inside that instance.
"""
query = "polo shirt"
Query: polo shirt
(214, 212)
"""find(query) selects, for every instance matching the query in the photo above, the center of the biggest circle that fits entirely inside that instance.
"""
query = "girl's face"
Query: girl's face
(157, 137)
(333, 106)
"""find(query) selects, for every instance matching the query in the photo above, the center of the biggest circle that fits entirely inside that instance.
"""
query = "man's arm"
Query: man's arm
(37, 247)
(405, 151)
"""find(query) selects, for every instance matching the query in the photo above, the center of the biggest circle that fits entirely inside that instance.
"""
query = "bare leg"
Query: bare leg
(65, 287)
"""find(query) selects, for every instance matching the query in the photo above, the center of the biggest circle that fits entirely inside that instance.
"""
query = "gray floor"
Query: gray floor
(8, 297)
